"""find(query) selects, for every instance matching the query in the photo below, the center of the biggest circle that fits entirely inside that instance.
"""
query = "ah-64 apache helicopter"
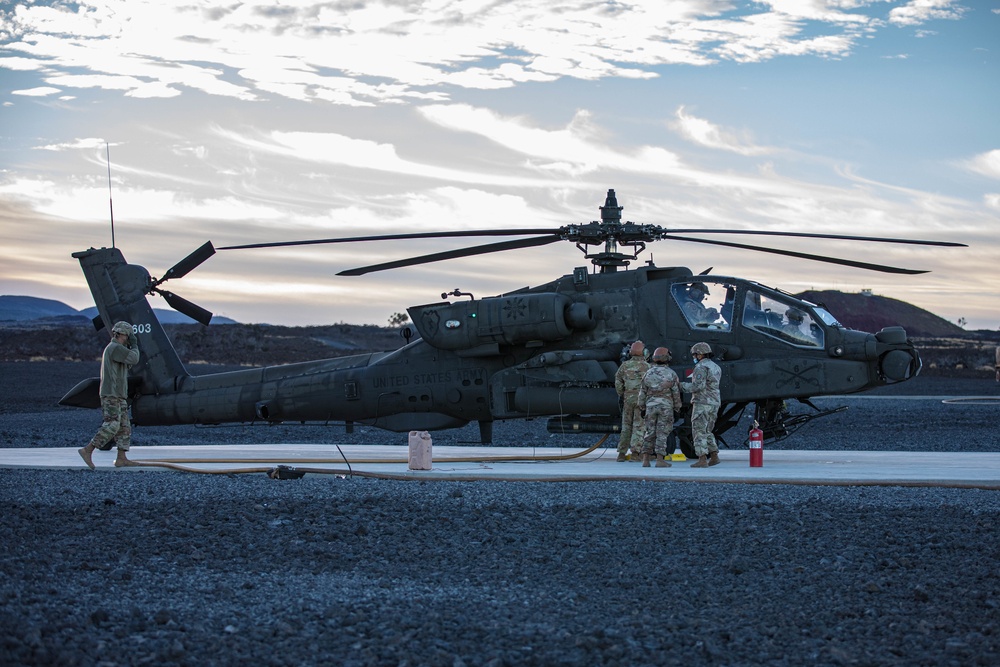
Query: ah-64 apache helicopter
(546, 351)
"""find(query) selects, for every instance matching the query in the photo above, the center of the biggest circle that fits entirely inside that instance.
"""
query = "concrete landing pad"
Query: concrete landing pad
(960, 470)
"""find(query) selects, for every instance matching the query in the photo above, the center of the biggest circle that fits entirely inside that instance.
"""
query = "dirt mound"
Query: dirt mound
(870, 312)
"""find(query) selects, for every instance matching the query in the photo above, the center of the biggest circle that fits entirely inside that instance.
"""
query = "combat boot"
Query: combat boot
(661, 463)
(122, 460)
(702, 462)
(713, 459)
(621, 457)
(85, 453)
(645, 460)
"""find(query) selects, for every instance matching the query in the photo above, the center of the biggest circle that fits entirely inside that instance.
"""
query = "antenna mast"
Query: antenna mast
(111, 204)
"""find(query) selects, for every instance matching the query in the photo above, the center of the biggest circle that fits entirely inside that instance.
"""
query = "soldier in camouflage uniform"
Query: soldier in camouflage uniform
(705, 402)
(121, 354)
(627, 381)
(695, 310)
(659, 398)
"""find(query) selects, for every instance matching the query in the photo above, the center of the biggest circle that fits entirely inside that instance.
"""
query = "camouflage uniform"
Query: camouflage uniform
(627, 382)
(114, 389)
(699, 313)
(705, 403)
(793, 327)
(660, 396)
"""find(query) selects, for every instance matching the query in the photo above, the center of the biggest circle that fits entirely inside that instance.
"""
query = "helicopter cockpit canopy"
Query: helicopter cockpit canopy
(707, 303)
(711, 303)
(788, 320)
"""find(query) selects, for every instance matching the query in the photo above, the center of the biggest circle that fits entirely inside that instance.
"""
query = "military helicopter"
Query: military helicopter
(546, 351)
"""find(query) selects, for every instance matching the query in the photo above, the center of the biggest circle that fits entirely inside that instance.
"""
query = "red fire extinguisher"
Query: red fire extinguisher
(756, 447)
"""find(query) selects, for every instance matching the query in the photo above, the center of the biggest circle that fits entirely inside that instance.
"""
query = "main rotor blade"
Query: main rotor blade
(802, 255)
(394, 237)
(452, 254)
(182, 305)
(875, 239)
(189, 263)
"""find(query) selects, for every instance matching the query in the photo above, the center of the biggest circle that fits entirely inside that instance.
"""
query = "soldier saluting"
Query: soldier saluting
(121, 354)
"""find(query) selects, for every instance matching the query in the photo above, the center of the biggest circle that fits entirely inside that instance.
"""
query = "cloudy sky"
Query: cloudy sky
(244, 122)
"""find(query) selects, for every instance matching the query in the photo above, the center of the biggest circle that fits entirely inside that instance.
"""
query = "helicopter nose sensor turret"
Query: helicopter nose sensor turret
(898, 360)
(893, 355)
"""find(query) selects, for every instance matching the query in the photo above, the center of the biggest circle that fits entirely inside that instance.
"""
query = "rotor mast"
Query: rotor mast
(611, 232)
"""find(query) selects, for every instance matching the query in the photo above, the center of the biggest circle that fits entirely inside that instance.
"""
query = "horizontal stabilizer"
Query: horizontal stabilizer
(85, 394)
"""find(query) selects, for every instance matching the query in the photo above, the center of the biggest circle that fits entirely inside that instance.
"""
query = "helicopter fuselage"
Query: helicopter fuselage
(550, 350)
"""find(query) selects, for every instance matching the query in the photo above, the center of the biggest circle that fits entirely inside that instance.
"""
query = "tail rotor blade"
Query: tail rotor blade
(189, 263)
(185, 307)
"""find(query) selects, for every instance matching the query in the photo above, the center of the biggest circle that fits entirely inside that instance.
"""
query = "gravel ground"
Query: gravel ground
(152, 567)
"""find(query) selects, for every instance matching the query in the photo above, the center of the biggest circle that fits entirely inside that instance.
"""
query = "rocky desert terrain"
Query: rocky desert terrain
(150, 567)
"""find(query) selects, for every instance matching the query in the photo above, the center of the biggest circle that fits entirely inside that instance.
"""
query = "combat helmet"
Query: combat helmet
(701, 348)
(661, 355)
(701, 287)
(122, 327)
(637, 349)
(794, 315)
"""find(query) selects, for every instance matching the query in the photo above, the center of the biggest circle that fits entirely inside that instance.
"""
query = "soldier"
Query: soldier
(121, 354)
(793, 326)
(696, 311)
(705, 402)
(794, 318)
(659, 398)
(627, 381)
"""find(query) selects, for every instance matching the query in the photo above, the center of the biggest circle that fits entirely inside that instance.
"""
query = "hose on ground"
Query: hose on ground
(178, 463)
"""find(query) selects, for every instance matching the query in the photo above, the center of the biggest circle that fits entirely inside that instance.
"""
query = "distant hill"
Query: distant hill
(872, 313)
(69, 336)
(165, 316)
(25, 309)
(856, 311)
(32, 308)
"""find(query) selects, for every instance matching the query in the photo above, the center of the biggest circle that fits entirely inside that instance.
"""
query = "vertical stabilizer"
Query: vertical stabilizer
(119, 291)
